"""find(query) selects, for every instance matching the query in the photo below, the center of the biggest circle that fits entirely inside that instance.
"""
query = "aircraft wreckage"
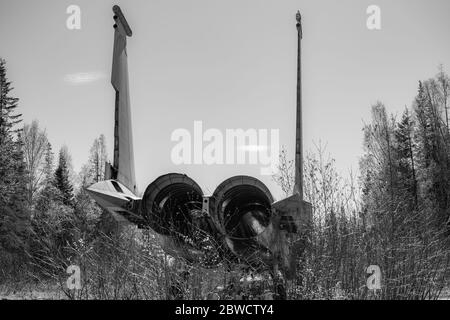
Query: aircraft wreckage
(239, 223)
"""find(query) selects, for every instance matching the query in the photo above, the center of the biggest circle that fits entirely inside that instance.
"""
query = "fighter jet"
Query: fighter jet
(239, 223)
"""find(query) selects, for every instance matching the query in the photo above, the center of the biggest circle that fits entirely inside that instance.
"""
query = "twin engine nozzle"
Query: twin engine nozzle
(233, 224)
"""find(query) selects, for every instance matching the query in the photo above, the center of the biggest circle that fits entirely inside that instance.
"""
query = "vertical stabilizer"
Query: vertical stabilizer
(298, 186)
(294, 215)
(123, 165)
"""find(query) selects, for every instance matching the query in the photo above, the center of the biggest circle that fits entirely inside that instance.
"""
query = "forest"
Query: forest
(393, 213)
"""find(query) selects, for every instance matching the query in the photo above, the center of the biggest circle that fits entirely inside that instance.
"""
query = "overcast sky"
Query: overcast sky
(228, 63)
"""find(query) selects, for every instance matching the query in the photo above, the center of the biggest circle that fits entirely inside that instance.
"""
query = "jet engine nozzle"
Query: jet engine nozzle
(171, 203)
(172, 206)
(242, 205)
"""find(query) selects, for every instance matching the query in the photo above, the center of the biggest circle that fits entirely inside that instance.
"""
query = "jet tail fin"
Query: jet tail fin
(123, 165)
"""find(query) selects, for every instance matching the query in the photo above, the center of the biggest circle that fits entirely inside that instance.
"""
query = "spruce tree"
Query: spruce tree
(62, 180)
(11, 155)
(14, 216)
(404, 154)
(8, 105)
(434, 164)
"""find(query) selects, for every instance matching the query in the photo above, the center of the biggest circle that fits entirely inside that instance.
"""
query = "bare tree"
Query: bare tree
(444, 83)
(285, 176)
(94, 170)
(98, 158)
(34, 145)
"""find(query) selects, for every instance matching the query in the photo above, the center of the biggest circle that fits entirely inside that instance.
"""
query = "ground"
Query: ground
(41, 291)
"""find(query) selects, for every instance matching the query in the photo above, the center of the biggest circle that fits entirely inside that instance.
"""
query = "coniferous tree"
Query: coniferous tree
(62, 180)
(11, 156)
(433, 142)
(14, 216)
(404, 157)
(8, 105)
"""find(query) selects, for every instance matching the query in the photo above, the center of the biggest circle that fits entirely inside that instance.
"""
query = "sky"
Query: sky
(230, 64)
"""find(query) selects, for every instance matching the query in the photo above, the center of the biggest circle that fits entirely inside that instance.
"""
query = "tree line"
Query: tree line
(395, 214)
(41, 202)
